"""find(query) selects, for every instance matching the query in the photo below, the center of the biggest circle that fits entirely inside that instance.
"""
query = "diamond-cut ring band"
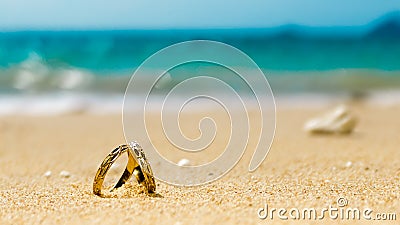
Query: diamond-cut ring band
(137, 165)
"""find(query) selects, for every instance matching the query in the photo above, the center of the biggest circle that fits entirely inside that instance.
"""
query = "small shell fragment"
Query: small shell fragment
(47, 174)
(184, 162)
(65, 174)
(340, 120)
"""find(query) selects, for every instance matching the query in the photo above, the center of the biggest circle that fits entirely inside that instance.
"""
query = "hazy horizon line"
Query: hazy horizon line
(392, 15)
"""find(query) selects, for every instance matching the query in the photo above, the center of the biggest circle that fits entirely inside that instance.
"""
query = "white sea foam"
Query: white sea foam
(25, 79)
(58, 104)
(31, 71)
(73, 79)
(64, 103)
(385, 98)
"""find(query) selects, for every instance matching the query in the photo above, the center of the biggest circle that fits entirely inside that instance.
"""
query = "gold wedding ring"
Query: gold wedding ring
(143, 173)
(137, 165)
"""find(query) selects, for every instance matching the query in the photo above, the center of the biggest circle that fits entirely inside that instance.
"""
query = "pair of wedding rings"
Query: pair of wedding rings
(137, 166)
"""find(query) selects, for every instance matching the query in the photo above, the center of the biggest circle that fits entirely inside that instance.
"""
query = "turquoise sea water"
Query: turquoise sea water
(294, 58)
(104, 51)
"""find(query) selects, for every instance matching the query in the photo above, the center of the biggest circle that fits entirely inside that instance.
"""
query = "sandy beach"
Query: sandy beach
(301, 170)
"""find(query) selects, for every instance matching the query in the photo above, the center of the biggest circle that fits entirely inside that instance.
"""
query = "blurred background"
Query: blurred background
(72, 56)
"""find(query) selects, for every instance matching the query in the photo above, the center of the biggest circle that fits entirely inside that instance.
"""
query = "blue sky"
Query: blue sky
(126, 14)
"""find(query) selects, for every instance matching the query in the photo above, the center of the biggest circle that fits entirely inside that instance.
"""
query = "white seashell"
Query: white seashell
(65, 174)
(348, 164)
(339, 120)
(47, 174)
(184, 162)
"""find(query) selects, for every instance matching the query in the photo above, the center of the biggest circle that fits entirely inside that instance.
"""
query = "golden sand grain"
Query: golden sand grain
(300, 171)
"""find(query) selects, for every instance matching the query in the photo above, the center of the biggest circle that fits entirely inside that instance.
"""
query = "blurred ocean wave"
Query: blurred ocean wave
(75, 71)
(35, 76)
